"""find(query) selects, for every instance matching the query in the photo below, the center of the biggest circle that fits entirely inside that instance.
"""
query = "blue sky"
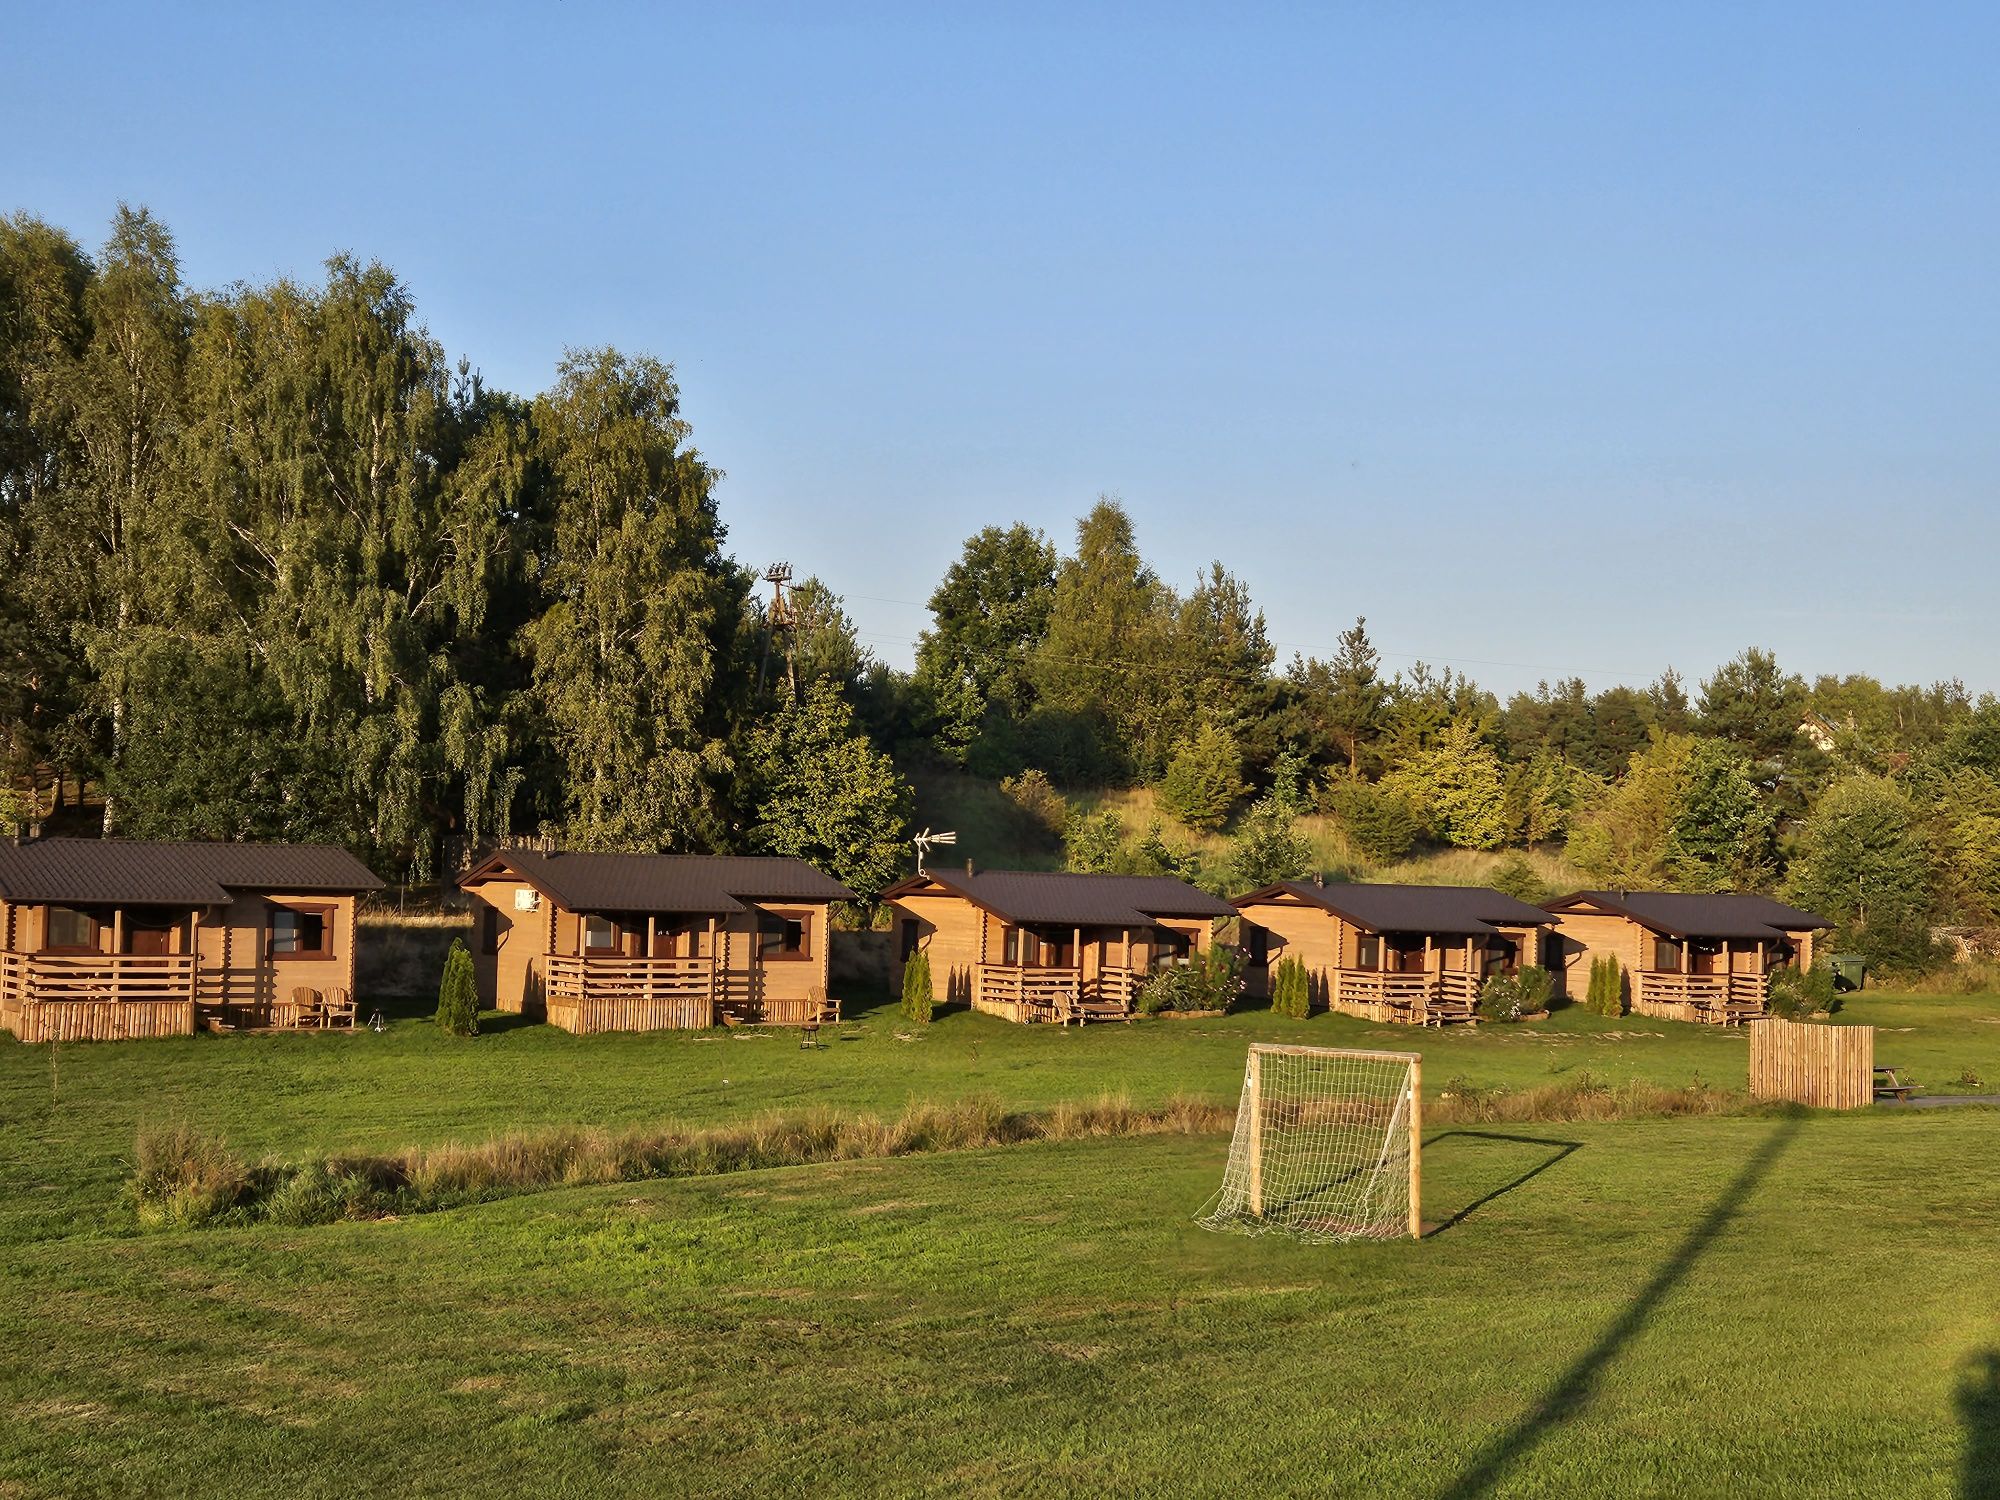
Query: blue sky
(1554, 339)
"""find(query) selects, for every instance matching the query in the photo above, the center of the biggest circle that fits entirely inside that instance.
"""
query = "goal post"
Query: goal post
(1327, 1146)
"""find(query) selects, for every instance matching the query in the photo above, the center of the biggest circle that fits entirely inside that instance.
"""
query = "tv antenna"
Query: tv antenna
(925, 840)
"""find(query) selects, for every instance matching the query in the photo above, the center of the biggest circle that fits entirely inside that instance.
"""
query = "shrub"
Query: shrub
(1268, 847)
(1092, 842)
(183, 1179)
(1291, 989)
(1799, 993)
(1379, 824)
(1606, 993)
(1537, 986)
(1517, 877)
(1212, 982)
(918, 997)
(458, 995)
(1508, 997)
(1035, 795)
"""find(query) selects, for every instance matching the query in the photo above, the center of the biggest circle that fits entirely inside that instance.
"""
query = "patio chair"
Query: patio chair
(337, 1009)
(305, 1008)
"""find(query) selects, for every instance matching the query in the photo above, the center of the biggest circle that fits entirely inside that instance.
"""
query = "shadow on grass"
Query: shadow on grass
(1579, 1383)
(1557, 1151)
(1979, 1410)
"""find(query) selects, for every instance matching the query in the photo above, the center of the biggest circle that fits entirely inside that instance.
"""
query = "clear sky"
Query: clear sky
(1554, 339)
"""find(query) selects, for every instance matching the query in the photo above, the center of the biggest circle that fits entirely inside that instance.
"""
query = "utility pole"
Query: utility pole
(778, 618)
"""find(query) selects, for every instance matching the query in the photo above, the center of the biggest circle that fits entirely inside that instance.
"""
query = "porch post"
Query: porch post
(117, 930)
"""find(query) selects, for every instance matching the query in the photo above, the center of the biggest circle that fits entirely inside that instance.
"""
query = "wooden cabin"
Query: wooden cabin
(1686, 957)
(1409, 953)
(1049, 946)
(105, 939)
(650, 942)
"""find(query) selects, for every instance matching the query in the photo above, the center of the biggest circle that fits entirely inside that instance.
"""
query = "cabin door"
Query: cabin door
(149, 939)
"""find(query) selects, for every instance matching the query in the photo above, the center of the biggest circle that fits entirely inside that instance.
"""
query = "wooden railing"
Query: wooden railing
(587, 994)
(46, 997)
(1028, 993)
(1717, 999)
(1432, 999)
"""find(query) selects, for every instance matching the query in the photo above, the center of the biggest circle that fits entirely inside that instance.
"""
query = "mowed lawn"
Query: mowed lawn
(1755, 1305)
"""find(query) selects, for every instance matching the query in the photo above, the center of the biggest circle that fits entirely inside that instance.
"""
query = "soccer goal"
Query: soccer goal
(1326, 1146)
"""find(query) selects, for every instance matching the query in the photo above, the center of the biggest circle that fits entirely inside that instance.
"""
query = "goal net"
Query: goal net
(1325, 1146)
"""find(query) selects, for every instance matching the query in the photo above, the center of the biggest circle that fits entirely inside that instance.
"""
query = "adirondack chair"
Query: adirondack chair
(337, 1009)
(304, 1011)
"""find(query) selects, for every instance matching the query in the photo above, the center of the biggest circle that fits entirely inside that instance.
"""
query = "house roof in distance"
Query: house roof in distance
(1459, 910)
(1069, 899)
(143, 873)
(1689, 914)
(691, 884)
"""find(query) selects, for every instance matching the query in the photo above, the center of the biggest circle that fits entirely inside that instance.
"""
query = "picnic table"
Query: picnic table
(1889, 1086)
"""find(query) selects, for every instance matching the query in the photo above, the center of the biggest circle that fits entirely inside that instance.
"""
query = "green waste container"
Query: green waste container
(1848, 970)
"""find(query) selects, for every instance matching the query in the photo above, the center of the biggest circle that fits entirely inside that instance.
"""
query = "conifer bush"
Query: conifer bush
(918, 997)
(458, 995)
(1606, 993)
(1291, 989)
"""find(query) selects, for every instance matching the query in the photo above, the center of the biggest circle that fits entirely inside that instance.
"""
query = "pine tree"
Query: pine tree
(818, 791)
(1204, 779)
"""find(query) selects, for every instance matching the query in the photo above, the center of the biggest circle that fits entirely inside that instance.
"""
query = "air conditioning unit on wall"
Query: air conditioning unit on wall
(527, 899)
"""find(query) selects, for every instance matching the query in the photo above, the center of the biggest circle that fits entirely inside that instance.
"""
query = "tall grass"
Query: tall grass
(186, 1179)
(1584, 1097)
(182, 1180)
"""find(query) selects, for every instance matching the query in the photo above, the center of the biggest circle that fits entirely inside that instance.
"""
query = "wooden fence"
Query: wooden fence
(1829, 1067)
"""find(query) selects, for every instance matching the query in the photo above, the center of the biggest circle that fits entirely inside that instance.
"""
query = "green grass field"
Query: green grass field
(1756, 1304)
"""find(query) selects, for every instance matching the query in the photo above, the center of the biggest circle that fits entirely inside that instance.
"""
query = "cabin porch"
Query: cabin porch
(61, 997)
(587, 993)
(1711, 982)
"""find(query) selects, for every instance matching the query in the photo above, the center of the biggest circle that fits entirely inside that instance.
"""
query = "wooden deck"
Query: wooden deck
(1019, 992)
(1432, 999)
(90, 997)
(592, 994)
(1711, 999)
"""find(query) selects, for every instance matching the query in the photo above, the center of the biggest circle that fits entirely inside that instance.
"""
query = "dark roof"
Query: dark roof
(1069, 899)
(1464, 910)
(1685, 914)
(704, 884)
(130, 871)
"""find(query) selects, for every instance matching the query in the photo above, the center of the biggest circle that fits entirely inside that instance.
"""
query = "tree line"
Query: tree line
(278, 568)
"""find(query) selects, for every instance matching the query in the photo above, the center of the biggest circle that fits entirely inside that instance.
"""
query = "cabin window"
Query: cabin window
(780, 936)
(1501, 957)
(1170, 949)
(494, 924)
(600, 935)
(1368, 951)
(70, 930)
(906, 939)
(1666, 956)
(1010, 945)
(301, 932)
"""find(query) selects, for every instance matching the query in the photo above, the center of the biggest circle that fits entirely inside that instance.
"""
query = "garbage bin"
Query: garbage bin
(1849, 969)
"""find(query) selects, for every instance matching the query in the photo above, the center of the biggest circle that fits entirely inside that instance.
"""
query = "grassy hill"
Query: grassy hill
(997, 834)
